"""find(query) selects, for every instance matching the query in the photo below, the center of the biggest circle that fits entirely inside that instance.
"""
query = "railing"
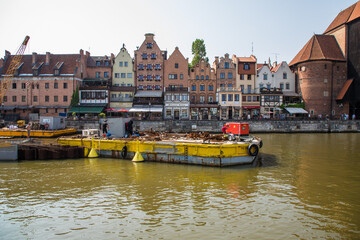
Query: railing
(177, 89)
(121, 99)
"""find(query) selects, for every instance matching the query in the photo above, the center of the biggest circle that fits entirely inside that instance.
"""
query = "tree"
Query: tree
(75, 98)
(198, 49)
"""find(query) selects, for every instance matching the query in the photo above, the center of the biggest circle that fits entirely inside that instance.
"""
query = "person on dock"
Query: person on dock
(105, 127)
(28, 128)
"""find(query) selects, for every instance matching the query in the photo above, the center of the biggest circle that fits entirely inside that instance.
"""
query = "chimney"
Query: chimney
(149, 37)
(47, 58)
(87, 54)
(217, 60)
(34, 58)
(81, 52)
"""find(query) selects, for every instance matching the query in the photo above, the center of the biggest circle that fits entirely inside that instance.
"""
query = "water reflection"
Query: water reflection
(307, 188)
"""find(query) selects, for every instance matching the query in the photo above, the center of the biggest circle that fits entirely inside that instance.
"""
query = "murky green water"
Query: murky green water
(308, 187)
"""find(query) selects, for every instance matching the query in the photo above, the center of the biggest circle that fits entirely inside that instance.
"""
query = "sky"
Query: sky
(275, 29)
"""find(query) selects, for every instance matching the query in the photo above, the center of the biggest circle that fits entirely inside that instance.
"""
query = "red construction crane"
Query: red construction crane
(13, 66)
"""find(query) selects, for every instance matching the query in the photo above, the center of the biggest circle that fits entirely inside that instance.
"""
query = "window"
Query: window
(249, 88)
(268, 86)
(202, 87)
(223, 97)
(46, 85)
(35, 99)
(176, 65)
(226, 65)
(123, 75)
(148, 45)
(172, 76)
(23, 85)
(193, 87)
(65, 98)
(157, 87)
(56, 98)
(202, 77)
(202, 99)
(230, 97)
(129, 75)
(284, 75)
(47, 98)
(241, 76)
(106, 74)
(222, 75)
(288, 86)
(281, 86)
(222, 85)
(325, 66)
(141, 87)
(148, 77)
(211, 88)
(254, 98)
(141, 67)
(325, 80)
(126, 64)
(148, 87)
(261, 86)
(144, 56)
(244, 98)
(157, 66)
(181, 76)
(14, 85)
(237, 97)
(211, 99)
(265, 76)
(207, 77)
(242, 88)
(14, 98)
(120, 64)
(56, 85)
(229, 85)
(249, 98)
(23, 98)
(229, 75)
(249, 77)
(141, 78)
(106, 63)
(98, 63)
(157, 77)
(153, 56)
(117, 75)
(149, 66)
(65, 85)
(197, 77)
(98, 75)
(246, 66)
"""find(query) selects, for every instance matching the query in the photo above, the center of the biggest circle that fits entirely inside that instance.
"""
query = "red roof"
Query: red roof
(344, 89)
(345, 16)
(319, 47)
(68, 67)
(247, 59)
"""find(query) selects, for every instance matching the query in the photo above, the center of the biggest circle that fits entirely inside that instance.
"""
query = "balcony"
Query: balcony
(177, 89)
(228, 89)
(121, 99)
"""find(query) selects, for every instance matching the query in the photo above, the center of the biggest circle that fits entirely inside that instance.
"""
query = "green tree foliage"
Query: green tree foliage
(75, 98)
(198, 49)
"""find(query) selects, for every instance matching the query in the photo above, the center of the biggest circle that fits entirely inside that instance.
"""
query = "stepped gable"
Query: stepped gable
(319, 47)
(345, 16)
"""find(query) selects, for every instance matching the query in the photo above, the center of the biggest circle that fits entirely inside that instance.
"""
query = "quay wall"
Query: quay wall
(264, 126)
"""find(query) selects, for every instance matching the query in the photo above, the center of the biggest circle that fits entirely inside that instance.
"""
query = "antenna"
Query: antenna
(252, 48)
(276, 55)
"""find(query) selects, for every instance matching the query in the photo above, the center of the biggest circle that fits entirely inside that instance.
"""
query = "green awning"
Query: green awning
(86, 109)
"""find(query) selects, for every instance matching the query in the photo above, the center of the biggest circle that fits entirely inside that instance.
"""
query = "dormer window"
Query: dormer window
(36, 72)
(106, 63)
(98, 63)
(57, 72)
(246, 66)
(226, 65)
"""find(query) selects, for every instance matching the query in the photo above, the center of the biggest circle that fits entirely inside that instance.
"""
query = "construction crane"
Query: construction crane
(13, 66)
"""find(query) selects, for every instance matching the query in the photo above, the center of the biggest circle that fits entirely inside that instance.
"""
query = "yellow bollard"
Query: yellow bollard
(137, 157)
(93, 153)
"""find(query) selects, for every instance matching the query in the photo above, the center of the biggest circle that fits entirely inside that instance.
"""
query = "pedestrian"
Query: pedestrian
(28, 128)
(105, 127)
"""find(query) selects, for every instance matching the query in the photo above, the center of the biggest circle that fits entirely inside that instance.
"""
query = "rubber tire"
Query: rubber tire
(256, 150)
(124, 152)
(261, 144)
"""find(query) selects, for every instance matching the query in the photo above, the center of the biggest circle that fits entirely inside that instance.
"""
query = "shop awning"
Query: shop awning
(251, 107)
(344, 89)
(86, 109)
(296, 110)
(146, 109)
(148, 94)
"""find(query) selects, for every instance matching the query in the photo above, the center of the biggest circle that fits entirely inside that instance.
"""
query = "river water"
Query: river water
(308, 187)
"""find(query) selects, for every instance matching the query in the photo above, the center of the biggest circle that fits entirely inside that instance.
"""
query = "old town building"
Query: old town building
(123, 84)
(227, 93)
(245, 80)
(345, 28)
(94, 90)
(149, 79)
(176, 91)
(43, 84)
(202, 83)
(321, 71)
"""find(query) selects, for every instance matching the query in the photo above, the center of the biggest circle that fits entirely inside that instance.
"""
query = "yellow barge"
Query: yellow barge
(228, 153)
(36, 133)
